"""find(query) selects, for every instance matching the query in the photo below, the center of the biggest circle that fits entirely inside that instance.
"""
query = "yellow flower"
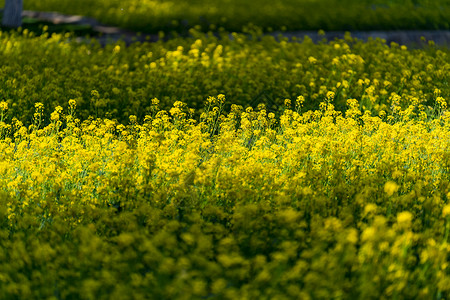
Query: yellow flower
(441, 102)
(352, 236)
(312, 60)
(390, 188)
(330, 96)
(404, 219)
(37, 176)
(446, 210)
(72, 103)
(368, 234)
(299, 101)
(54, 116)
(133, 119)
(155, 101)
(3, 105)
(38, 106)
(370, 208)
(221, 98)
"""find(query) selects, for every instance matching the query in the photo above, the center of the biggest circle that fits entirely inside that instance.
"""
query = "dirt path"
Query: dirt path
(111, 34)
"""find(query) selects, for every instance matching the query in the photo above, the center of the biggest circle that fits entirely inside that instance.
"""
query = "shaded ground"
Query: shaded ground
(108, 34)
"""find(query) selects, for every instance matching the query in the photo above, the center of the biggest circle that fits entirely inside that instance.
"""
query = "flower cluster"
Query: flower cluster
(326, 177)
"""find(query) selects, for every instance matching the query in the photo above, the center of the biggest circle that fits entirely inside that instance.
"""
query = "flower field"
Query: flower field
(231, 167)
(118, 81)
(318, 204)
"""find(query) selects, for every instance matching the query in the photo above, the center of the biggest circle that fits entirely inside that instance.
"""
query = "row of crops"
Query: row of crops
(233, 15)
(118, 81)
(237, 166)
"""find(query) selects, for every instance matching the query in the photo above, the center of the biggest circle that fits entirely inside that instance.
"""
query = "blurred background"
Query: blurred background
(149, 16)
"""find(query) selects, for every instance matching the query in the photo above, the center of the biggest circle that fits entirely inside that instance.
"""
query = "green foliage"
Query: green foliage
(249, 70)
(234, 15)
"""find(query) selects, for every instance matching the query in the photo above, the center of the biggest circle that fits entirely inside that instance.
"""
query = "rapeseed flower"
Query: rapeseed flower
(3, 106)
(404, 219)
(390, 188)
(446, 210)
